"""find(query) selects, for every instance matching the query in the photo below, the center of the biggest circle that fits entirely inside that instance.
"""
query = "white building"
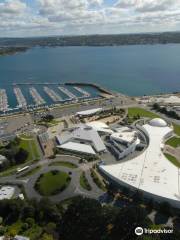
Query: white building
(78, 147)
(128, 138)
(6, 192)
(100, 127)
(89, 112)
(82, 139)
(150, 172)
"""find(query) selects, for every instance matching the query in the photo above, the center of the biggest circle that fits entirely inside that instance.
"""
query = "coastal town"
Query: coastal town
(111, 146)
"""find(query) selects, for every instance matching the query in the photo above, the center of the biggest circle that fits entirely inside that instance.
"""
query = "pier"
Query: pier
(67, 92)
(20, 98)
(52, 94)
(85, 93)
(3, 101)
(36, 96)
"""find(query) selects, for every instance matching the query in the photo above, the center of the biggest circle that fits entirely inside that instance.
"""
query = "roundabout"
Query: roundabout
(52, 182)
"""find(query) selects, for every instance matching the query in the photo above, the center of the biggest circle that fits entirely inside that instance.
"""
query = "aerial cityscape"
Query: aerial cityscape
(89, 120)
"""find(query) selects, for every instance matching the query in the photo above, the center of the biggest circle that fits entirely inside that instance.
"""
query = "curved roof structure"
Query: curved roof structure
(158, 122)
(151, 172)
(89, 112)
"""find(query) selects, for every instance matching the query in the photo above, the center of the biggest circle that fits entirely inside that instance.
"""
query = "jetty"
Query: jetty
(20, 98)
(36, 96)
(52, 94)
(3, 101)
(85, 93)
(67, 92)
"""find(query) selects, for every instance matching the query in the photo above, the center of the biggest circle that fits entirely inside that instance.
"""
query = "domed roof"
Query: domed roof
(158, 122)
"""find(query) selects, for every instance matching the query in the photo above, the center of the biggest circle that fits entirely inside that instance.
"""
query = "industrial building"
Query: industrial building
(150, 172)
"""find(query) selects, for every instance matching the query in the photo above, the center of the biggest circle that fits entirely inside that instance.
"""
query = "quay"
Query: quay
(85, 93)
(52, 94)
(67, 92)
(20, 98)
(3, 101)
(36, 96)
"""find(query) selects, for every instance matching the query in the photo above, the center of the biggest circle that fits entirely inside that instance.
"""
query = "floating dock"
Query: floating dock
(36, 96)
(85, 93)
(52, 94)
(67, 92)
(20, 98)
(3, 101)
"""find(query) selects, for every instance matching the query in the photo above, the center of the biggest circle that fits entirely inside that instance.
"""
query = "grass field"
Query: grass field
(84, 182)
(174, 142)
(177, 129)
(133, 112)
(52, 183)
(173, 160)
(64, 164)
(31, 147)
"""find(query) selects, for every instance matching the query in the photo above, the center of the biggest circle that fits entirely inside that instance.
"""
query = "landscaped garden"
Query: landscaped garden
(172, 159)
(97, 180)
(84, 182)
(177, 129)
(52, 182)
(174, 142)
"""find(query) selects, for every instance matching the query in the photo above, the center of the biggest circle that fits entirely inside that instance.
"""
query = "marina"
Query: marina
(3, 101)
(85, 93)
(52, 94)
(36, 96)
(67, 92)
(20, 98)
(31, 96)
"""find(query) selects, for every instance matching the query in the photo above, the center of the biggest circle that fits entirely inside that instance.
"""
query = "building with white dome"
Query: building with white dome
(150, 172)
(158, 122)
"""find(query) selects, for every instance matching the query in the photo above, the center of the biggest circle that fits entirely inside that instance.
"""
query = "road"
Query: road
(73, 188)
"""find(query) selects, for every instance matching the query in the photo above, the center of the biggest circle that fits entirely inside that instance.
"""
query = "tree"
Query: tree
(21, 156)
(83, 220)
(126, 221)
(46, 236)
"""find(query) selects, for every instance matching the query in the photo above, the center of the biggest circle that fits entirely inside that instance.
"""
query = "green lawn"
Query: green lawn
(84, 182)
(64, 164)
(31, 147)
(173, 160)
(133, 112)
(177, 129)
(174, 142)
(52, 183)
